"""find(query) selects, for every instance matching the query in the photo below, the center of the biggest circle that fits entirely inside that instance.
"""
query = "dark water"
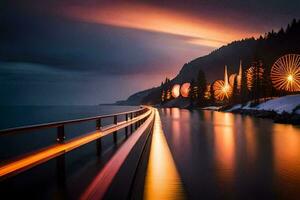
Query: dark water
(81, 165)
(14, 116)
(227, 156)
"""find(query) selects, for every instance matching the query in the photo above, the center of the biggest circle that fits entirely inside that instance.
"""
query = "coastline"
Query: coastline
(285, 109)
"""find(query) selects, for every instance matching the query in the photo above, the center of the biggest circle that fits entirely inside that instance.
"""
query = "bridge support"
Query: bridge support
(126, 128)
(131, 125)
(115, 133)
(98, 124)
(60, 134)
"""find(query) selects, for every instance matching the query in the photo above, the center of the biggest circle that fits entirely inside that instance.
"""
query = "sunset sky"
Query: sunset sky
(89, 52)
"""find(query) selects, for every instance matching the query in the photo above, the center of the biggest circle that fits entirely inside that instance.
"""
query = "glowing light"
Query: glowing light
(185, 89)
(285, 73)
(157, 19)
(162, 179)
(224, 146)
(225, 75)
(239, 77)
(290, 78)
(221, 91)
(176, 91)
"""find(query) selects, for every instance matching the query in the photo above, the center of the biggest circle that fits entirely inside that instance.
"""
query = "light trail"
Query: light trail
(100, 184)
(41, 156)
(162, 178)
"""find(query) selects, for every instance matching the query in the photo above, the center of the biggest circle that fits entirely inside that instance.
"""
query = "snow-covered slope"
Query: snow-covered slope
(279, 105)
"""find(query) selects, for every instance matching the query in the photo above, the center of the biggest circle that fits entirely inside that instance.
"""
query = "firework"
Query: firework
(285, 73)
(221, 90)
(239, 77)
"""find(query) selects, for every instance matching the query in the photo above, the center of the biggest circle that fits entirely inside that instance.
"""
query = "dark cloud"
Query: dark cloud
(90, 47)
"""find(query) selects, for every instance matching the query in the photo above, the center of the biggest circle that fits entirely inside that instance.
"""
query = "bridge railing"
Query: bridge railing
(132, 118)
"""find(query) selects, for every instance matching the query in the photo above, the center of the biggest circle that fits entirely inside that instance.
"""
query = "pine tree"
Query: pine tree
(193, 92)
(235, 93)
(244, 89)
(201, 84)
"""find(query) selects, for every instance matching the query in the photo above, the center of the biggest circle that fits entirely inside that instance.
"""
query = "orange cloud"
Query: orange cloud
(138, 16)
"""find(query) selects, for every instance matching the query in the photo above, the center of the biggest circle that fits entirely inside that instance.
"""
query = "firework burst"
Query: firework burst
(221, 90)
(285, 73)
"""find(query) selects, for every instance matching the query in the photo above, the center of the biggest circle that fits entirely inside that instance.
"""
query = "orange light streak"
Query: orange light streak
(58, 149)
(162, 179)
(100, 184)
(151, 18)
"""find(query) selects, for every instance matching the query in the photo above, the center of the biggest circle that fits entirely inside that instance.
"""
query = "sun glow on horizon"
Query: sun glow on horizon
(198, 31)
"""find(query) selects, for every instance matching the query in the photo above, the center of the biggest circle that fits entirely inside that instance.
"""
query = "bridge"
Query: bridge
(140, 167)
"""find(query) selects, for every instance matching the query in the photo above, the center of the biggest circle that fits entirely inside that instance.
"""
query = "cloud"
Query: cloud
(151, 18)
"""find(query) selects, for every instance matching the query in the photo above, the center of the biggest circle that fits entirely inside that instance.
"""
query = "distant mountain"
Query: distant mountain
(266, 48)
(137, 98)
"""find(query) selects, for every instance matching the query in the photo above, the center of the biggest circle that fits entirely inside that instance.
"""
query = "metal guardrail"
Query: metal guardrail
(60, 124)
(62, 146)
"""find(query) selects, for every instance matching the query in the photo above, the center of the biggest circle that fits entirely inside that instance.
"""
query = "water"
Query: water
(81, 164)
(227, 156)
(15, 116)
(212, 155)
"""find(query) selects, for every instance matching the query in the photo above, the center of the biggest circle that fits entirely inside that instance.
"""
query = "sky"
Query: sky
(62, 52)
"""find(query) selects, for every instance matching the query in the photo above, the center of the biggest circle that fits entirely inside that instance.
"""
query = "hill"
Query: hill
(266, 48)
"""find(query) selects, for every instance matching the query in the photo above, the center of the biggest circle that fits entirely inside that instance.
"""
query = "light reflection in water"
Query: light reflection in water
(162, 178)
(224, 145)
(180, 130)
(286, 139)
(251, 141)
(226, 156)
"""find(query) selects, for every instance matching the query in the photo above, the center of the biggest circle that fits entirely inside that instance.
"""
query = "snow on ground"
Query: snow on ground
(279, 105)
(237, 106)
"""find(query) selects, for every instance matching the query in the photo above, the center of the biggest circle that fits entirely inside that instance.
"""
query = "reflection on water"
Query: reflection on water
(162, 179)
(250, 140)
(224, 146)
(287, 157)
(226, 156)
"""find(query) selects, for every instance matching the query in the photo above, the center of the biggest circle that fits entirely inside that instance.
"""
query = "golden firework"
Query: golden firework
(239, 77)
(250, 75)
(285, 73)
(221, 90)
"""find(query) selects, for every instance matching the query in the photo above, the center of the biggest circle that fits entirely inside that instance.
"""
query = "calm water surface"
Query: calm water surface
(206, 155)
(15, 116)
(227, 156)
(81, 165)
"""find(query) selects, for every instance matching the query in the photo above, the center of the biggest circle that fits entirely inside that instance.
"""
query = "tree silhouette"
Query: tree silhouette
(201, 84)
